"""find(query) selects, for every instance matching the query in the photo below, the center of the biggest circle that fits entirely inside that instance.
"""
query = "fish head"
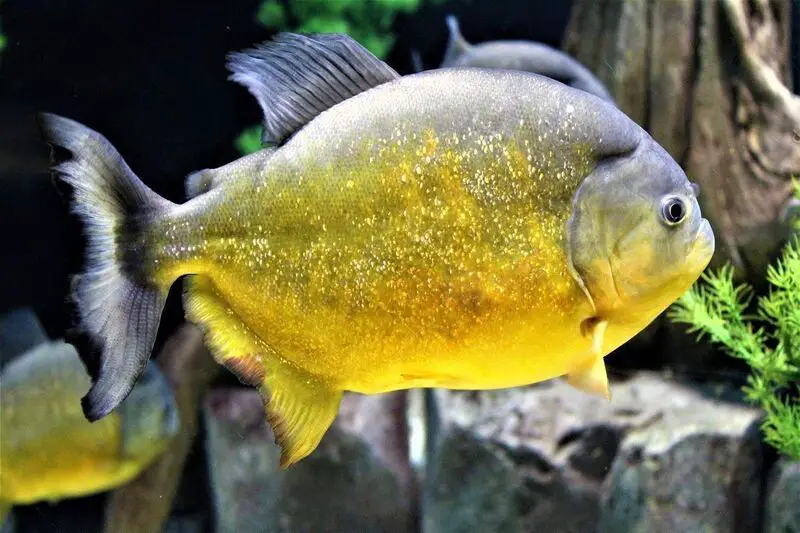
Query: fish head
(149, 416)
(636, 236)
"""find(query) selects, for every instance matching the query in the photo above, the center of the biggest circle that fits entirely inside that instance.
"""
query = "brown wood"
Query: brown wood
(709, 80)
(144, 504)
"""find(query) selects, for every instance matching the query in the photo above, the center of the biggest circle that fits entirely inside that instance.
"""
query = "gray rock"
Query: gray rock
(186, 523)
(697, 467)
(538, 458)
(782, 513)
(356, 480)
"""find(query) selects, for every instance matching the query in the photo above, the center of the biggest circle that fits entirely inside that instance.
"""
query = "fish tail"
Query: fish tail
(118, 301)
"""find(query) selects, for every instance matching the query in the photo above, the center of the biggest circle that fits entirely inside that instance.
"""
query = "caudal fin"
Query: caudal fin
(119, 306)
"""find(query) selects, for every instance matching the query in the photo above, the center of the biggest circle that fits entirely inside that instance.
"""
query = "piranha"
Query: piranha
(49, 451)
(461, 228)
(520, 55)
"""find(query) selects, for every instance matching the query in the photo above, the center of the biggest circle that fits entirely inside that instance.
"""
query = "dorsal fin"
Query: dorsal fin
(297, 77)
(456, 44)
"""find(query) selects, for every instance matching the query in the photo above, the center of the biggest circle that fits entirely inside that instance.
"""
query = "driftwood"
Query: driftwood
(709, 79)
(143, 505)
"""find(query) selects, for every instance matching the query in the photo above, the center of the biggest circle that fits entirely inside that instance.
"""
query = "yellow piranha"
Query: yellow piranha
(49, 451)
(460, 228)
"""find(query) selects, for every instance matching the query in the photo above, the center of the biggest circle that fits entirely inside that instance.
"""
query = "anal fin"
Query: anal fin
(300, 407)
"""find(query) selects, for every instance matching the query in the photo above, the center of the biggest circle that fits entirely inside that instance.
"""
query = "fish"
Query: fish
(49, 451)
(20, 330)
(462, 228)
(521, 55)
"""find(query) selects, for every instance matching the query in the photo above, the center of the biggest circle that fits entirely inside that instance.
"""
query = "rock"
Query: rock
(697, 467)
(187, 523)
(782, 507)
(538, 458)
(357, 480)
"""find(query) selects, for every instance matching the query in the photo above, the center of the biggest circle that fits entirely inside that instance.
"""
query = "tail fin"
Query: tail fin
(119, 306)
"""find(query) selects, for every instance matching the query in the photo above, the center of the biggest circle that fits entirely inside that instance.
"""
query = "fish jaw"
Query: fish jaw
(702, 249)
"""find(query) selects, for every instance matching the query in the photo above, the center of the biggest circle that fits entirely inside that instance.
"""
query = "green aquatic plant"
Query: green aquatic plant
(794, 208)
(368, 22)
(249, 140)
(765, 334)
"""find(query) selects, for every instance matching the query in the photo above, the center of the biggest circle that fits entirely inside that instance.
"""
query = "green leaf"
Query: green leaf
(379, 45)
(249, 140)
(304, 10)
(324, 25)
(272, 14)
(406, 6)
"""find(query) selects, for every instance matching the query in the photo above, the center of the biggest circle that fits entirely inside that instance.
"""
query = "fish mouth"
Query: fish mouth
(703, 245)
(705, 235)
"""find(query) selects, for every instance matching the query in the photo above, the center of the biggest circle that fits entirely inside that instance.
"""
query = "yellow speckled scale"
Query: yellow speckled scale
(413, 265)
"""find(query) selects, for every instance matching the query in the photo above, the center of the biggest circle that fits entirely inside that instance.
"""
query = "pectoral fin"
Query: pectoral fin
(591, 377)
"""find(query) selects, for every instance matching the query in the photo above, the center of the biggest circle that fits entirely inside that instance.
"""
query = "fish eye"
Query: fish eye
(674, 210)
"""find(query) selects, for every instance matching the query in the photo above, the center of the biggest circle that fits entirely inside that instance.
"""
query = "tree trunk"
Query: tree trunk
(709, 79)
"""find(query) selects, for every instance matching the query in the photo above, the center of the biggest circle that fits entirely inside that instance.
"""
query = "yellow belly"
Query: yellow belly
(467, 335)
